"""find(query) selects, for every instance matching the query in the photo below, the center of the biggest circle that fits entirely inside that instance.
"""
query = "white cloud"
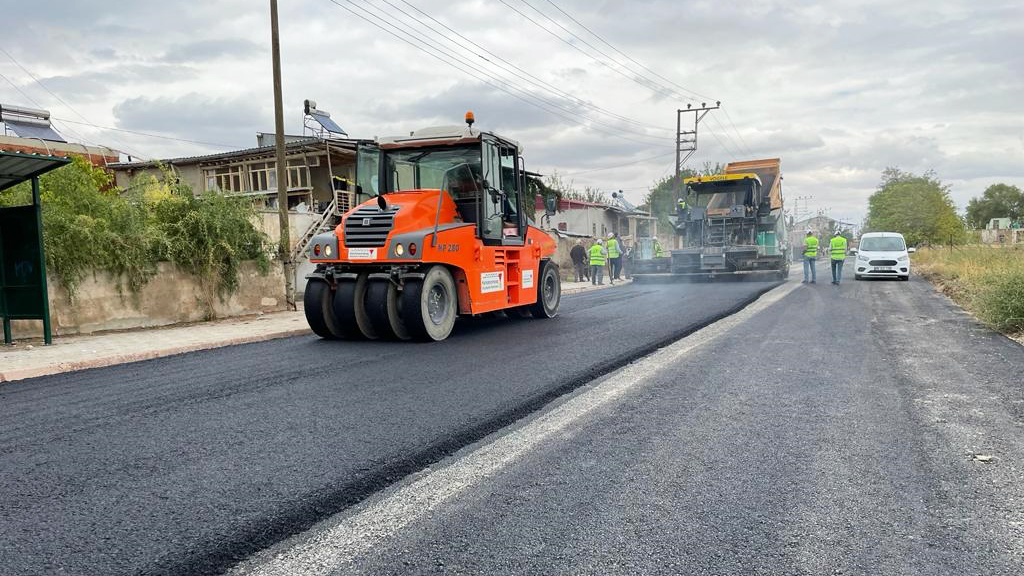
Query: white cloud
(839, 91)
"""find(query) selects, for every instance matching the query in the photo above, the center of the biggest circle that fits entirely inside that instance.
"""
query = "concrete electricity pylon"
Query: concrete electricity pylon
(686, 140)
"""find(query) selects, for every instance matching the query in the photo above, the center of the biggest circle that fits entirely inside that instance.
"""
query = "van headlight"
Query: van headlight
(904, 258)
(862, 258)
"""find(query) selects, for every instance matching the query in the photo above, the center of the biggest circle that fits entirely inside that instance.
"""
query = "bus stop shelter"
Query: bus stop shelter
(23, 290)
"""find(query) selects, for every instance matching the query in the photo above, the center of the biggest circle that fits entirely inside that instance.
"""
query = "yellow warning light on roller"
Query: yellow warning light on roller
(470, 119)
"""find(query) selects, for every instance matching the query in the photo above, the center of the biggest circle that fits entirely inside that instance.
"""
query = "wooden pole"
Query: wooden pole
(284, 245)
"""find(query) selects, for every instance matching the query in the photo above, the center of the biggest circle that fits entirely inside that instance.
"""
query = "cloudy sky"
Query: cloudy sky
(839, 89)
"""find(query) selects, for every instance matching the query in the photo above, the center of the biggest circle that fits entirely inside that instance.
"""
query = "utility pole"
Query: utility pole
(686, 140)
(284, 249)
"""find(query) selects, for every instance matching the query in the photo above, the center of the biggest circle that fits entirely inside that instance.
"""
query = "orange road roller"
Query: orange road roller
(443, 235)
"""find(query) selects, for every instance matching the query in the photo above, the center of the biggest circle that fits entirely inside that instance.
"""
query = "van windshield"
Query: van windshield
(882, 244)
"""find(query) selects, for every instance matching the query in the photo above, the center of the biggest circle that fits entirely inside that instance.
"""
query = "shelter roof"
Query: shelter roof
(17, 167)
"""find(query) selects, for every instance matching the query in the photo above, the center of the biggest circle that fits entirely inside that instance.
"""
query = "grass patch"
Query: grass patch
(988, 281)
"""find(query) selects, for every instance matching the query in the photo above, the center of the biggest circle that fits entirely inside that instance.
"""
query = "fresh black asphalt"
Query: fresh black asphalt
(186, 464)
(868, 429)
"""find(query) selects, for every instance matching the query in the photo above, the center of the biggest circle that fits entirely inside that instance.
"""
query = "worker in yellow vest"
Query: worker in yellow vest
(614, 257)
(597, 260)
(810, 257)
(837, 248)
(659, 252)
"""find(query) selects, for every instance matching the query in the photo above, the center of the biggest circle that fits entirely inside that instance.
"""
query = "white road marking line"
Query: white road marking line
(339, 540)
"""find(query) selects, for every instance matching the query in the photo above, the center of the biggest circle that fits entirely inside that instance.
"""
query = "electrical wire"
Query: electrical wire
(434, 53)
(536, 81)
(639, 78)
(98, 127)
(619, 165)
(626, 56)
(59, 99)
(459, 58)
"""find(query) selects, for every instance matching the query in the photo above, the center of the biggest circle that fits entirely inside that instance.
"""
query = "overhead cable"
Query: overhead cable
(434, 53)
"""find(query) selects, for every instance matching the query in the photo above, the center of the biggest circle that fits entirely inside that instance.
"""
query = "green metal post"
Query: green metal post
(3, 297)
(38, 204)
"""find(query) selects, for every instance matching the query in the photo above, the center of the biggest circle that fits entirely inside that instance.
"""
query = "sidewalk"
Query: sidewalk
(28, 359)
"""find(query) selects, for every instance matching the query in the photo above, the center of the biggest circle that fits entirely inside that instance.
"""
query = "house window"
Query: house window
(263, 176)
(594, 232)
(298, 174)
(225, 179)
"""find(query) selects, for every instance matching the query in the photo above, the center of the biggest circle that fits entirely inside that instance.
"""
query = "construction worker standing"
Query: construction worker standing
(810, 256)
(837, 247)
(614, 257)
(597, 261)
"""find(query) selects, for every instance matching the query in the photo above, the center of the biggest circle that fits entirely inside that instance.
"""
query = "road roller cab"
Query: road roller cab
(444, 234)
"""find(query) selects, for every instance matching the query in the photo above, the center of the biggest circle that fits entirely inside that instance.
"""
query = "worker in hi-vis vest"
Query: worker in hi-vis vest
(597, 261)
(614, 257)
(837, 247)
(810, 256)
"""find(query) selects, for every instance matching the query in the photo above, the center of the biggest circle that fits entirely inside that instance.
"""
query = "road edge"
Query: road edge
(104, 361)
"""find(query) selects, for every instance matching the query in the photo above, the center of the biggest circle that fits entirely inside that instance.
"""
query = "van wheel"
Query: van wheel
(316, 303)
(350, 308)
(549, 292)
(383, 310)
(429, 306)
(858, 277)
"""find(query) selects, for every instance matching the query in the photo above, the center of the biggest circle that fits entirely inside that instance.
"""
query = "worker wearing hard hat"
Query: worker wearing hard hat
(614, 257)
(837, 247)
(597, 261)
(810, 256)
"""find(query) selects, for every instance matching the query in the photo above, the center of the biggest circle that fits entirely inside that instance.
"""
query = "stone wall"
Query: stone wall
(171, 297)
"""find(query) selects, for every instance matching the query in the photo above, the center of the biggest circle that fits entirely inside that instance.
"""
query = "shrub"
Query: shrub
(89, 225)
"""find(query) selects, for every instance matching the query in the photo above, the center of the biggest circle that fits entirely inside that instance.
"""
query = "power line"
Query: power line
(619, 165)
(43, 86)
(544, 84)
(640, 78)
(580, 50)
(626, 56)
(433, 52)
(38, 105)
(459, 57)
(98, 127)
(729, 118)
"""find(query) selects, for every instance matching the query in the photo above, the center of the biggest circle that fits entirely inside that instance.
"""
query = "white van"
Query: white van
(883, 255)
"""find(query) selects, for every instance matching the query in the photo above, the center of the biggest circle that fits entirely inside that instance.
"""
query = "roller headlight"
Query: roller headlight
(328, 250)
(399, 249)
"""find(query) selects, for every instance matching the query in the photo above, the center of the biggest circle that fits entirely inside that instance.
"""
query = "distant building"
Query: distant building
(578, 218)
(319, 172)
(999, 224)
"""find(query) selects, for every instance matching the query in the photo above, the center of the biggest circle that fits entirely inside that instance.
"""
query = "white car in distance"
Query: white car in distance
(883, 255)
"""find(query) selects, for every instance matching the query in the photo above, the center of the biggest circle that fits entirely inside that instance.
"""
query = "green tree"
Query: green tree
(997, 201)
(917, 206)
(662, 198)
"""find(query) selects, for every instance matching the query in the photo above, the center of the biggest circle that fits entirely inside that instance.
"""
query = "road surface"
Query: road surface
(188, 464)
(867, 429)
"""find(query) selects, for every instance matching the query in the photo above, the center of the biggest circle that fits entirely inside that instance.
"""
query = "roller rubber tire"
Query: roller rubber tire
(549, 292)
(383, 310)
(350, 309)
(429, 306)
(317, 305)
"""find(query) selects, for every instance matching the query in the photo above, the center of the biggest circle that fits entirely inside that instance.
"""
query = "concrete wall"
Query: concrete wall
(270, 223)
(171, 297)
(1002, 236)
